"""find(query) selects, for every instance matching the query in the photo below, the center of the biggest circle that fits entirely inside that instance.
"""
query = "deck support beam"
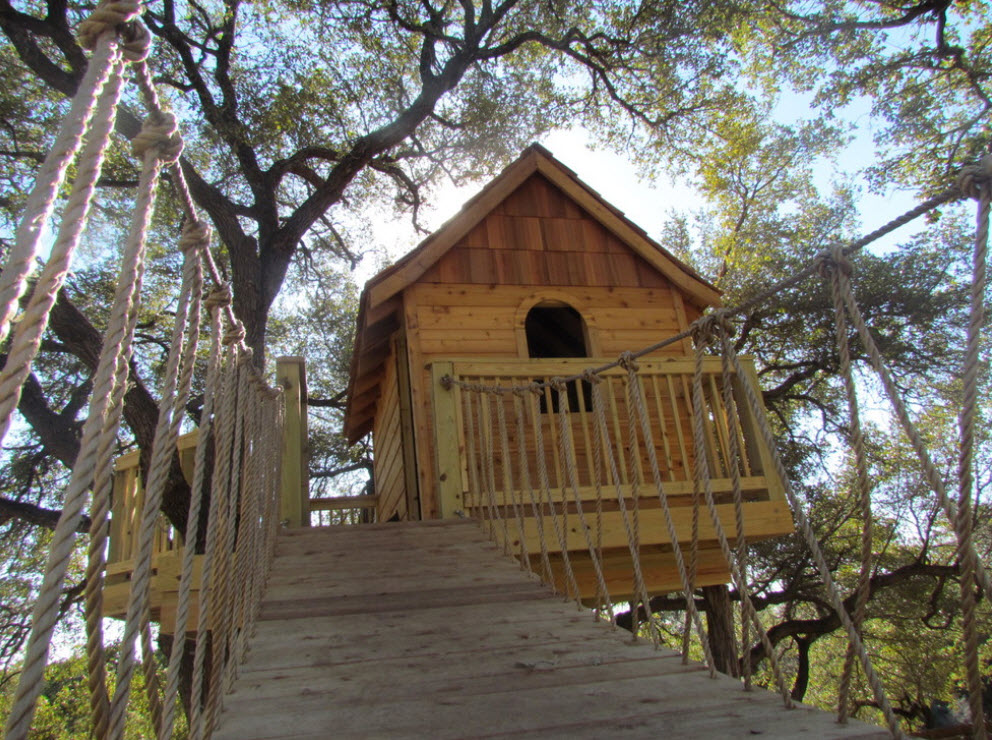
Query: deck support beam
(294, 506)
(448, 458)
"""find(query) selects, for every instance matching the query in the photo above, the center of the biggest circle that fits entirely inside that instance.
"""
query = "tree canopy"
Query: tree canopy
(304, 119)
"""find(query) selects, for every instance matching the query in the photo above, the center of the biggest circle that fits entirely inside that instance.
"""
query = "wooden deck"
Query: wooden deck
(425, 630)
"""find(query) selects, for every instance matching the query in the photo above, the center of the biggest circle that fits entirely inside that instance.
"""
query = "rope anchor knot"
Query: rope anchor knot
(160, 134)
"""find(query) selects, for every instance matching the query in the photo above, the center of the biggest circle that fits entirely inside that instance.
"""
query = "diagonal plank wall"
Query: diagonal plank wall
(424, 629)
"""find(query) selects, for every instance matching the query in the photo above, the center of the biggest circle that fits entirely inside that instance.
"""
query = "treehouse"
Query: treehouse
(538, 277)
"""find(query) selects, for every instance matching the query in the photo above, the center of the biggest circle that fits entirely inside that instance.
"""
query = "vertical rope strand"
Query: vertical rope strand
(735, 572)
(566, 449)
(571, 585)
(733, 421)
(814, 546)
(117, 341)
(175, 391)
(969, 413)
(205, 436)
(49, 179)
(838, 273)
(519, 410)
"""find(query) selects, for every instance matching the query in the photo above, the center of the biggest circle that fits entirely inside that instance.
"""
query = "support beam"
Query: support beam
(294, 508)
(448, 465)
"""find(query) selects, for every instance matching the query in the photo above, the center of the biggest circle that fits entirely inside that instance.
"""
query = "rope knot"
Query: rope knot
(447, 382)
(218, 297)
(161, 134)
(835, 258)
(195, 235)
(536, 388)
(136, 41)
(558, 384)
(109, 15)
(712, 325)
(628, 362)
(591, 377)
(235, 334)
(972, 178)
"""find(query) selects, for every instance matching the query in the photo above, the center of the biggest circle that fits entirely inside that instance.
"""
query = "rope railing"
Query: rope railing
(626, 457)
(236, 463)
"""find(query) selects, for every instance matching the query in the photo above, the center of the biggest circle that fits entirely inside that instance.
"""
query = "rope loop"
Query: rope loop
(592, 378)
(628, 362)
(160, 133)
(218, 297)
(235, 334)
(834, 258)
(974, 177)
(109, 15)
(136, 41)
(713, 325)
(195, 235)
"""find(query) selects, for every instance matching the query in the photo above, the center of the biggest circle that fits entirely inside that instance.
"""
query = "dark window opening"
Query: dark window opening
(558, 331)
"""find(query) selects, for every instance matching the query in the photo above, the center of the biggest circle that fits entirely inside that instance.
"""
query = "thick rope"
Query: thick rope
(603, 599)
(220, 482)
(49, 179)
(117, 341)
(734, 464)
(636, 400)
(963, 524)
(489, 452)
(214, 302)
(508, 485)
(606, 449)
(706, 482)
(26, 338)
(571, 585)
(221, 676)
(930, 470)
(519, 399)
(566, 449)
(804, 526)
(838, 274)
(175, 391)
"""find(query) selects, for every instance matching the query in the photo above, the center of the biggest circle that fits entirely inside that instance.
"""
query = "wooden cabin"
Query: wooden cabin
(537, 276)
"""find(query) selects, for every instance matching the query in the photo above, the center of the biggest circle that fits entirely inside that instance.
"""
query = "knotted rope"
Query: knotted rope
(117, 37)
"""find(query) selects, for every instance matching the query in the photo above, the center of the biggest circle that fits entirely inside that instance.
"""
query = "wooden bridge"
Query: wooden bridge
(425, 629)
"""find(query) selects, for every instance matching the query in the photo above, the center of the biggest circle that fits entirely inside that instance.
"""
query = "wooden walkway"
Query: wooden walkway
(425, 630)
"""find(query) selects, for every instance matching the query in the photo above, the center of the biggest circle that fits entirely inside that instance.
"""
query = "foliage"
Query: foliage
(63, 708)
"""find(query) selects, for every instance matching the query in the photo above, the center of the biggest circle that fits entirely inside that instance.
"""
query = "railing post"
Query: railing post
(447, 457)
(294, 507)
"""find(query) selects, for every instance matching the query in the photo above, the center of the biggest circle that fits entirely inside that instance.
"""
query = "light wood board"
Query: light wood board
(417, 630)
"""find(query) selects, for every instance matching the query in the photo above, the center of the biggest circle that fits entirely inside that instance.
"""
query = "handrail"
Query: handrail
(667, 393)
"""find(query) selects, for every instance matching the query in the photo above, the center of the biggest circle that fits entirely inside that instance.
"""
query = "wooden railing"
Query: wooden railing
(479, 461)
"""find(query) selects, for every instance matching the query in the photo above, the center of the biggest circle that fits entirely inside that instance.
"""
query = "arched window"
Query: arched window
(555, 329)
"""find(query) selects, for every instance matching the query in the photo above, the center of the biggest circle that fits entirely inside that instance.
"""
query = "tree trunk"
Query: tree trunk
(720, 628)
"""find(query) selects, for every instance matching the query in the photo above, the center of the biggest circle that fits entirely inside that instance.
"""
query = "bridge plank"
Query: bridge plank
(431, 632)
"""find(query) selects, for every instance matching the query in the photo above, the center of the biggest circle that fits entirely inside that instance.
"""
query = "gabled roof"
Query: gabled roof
(380, 307)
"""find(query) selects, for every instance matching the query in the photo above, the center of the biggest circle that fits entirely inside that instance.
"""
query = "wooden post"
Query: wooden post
(294, 508)
(447, 459)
